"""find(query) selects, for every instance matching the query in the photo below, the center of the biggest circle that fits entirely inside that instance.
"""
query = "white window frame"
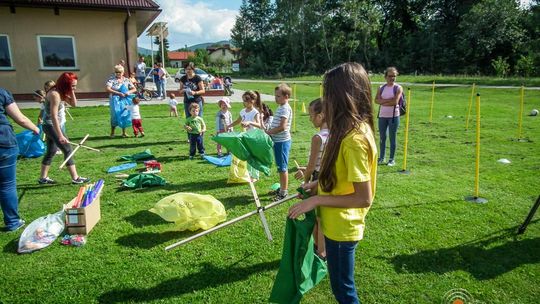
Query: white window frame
(40, 53)
(12, 67)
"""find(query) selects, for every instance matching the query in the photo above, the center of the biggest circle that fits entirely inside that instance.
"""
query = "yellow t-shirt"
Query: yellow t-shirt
(356, 162)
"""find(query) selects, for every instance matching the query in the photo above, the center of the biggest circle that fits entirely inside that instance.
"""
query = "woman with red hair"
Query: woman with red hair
(53, 125)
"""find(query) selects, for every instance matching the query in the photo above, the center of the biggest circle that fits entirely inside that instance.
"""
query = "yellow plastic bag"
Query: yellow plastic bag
(238, 171)
(191, 211)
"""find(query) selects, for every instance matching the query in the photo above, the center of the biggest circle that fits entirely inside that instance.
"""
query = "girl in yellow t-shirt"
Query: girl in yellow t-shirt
(346, 185)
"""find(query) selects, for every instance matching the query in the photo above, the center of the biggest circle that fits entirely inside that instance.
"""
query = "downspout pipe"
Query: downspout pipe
(126, 38)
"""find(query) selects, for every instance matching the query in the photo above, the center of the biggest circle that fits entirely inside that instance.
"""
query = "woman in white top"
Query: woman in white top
(249, 116)
(388, 97)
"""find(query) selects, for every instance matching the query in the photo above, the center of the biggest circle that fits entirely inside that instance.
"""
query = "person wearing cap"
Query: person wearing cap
(223, 119)
(9, 150)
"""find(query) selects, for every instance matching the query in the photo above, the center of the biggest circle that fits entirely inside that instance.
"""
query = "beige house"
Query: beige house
(223, 56)
(40, 39)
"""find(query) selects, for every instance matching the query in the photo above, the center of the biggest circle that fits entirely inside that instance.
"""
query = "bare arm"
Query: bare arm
(282, 126)
(257, 123)
(361, 198)
(235, 122)
(389, 101)
(110, 90)
(316, 143)
(201, 91)
(13, 111)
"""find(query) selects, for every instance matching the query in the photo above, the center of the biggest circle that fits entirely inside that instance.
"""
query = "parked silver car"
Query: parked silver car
(204, 76)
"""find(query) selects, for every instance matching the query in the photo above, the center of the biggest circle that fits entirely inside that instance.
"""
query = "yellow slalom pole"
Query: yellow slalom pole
(294, 108)
(470, 107)
(432, 100)
(320, 89)
(303, 107)
(476, 198)
(520, 118)
(404, 170)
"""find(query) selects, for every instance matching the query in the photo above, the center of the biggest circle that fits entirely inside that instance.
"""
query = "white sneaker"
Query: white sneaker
(381, 162)
(391, 163)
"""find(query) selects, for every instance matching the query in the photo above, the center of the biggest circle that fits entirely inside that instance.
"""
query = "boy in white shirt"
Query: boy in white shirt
(280, 132)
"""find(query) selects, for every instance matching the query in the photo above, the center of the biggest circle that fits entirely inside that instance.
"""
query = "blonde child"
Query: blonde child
(39, 97)
(280, 132)
(346, 185)
(136, 119)
(48, 85)
(249, 116)
(173, 111)
(195, 127)
(223, 119)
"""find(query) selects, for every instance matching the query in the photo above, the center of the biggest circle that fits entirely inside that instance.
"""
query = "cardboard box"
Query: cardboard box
(82, 220)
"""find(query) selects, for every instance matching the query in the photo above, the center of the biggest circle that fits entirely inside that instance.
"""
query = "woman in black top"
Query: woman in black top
(192, 86)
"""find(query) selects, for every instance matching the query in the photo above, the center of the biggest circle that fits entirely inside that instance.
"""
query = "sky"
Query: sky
(193, 22)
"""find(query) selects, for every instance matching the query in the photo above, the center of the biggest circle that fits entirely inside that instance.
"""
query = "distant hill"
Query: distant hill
(205, 45)
(145, 52)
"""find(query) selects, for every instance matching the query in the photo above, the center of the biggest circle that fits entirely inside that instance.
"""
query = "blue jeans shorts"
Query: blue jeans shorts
(281, 153)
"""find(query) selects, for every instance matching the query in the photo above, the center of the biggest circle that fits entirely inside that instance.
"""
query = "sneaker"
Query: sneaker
(46, 181)
(142, 134)
(191, 158)
(391, 163)
(380, 162)
(279, 197)
(274, 192)
(80, 180)
(202, 156)
(19, 225)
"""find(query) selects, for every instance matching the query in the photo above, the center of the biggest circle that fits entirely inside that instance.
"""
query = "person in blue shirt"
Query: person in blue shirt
(9, 151)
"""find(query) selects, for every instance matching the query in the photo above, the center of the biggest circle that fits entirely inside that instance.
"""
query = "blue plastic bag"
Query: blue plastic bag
(121, 117)
(30, 144)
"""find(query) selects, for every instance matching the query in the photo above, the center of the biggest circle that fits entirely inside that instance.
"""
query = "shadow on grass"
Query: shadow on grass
(137, 144)
(148, 240)
(12, 246)
(481, 260)
(145, 218)
(423, 204)
(195, 187)
(208, 277)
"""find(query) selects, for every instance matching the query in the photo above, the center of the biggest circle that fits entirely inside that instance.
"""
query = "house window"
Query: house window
(5, 53)
(57, 52)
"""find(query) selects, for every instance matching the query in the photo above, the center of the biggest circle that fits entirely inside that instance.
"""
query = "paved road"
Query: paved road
(236, 98)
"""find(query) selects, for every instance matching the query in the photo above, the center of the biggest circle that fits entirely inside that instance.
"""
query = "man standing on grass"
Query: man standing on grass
(140, 70)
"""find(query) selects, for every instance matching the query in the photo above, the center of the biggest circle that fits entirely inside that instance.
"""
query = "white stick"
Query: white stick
(69, 114)
(261, 213)
(86, 147)
(73, 152)
(222, 225)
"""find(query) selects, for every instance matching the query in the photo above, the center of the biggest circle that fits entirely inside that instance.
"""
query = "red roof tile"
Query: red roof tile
(123, 4)
(180, 55)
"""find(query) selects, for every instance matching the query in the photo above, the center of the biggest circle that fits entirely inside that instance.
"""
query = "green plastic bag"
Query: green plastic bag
(300, 268)
(191, 211)
(146, 154)
(140, 180)
(253, 146)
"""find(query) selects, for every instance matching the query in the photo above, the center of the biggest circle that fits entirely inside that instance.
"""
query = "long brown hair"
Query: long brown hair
(347, 103)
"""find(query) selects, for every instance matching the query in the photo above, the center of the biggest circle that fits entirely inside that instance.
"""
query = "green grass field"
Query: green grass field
(422, 238)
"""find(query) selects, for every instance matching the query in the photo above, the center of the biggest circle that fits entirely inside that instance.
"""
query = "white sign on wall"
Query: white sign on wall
(236, 67)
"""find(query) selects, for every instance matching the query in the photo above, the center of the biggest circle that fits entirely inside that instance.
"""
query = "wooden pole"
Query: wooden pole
(73, 152)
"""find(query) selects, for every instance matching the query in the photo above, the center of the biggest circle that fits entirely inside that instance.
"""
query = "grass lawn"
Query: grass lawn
(422, 238)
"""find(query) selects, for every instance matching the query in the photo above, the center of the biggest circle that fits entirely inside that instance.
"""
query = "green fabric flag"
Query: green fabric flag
(300, 268)
(146, 154)
(140, 180)
(253, 146)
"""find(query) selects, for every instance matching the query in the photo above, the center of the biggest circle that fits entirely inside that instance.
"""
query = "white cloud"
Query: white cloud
(193, 23)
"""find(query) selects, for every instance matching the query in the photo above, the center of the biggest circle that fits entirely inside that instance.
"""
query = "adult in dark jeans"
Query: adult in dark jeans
(63, 91)
(9, 151)
(192, 87)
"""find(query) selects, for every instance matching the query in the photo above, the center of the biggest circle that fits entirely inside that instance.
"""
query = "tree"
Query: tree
(157, 41)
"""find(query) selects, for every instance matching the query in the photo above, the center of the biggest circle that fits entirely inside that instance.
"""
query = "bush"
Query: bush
(525, 66)
(501, 66)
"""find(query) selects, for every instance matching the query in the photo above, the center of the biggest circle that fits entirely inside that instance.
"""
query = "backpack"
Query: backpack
(402, 102)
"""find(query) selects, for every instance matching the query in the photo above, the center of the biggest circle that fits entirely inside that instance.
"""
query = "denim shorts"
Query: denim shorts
(281, 153)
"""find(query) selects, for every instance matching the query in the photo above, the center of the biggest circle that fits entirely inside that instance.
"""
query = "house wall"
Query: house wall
(99, 45)
(216, 55)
